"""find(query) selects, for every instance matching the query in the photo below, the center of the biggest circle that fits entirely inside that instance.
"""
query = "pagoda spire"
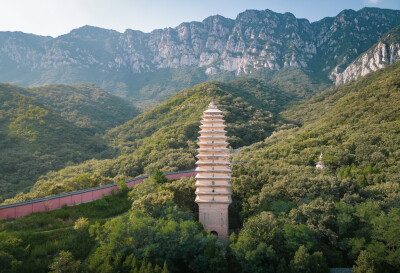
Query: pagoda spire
(213, 186)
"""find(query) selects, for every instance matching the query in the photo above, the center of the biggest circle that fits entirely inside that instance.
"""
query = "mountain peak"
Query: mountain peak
(91, 30)
(255, 40)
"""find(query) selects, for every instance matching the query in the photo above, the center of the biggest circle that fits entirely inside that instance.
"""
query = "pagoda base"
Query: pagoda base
(214, 217)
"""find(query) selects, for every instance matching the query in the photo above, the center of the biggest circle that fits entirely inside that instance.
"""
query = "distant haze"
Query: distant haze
(57, 17)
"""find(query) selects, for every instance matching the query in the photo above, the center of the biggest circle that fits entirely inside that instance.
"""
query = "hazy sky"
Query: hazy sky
(56, 17)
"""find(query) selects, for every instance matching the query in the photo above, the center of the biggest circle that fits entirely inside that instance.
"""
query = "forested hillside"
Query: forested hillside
(87, 106)
(351, 212)
(146, 89)
(242, 100)
(286, 215)
(44, 129)
(165, 136)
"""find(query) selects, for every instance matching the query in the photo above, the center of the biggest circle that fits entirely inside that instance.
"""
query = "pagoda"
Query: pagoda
(320, 164)
(213, 186)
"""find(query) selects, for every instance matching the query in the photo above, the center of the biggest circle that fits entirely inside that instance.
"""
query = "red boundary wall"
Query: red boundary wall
(16, 210)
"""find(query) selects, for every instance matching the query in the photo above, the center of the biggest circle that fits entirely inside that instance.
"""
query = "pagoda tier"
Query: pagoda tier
(213, 186)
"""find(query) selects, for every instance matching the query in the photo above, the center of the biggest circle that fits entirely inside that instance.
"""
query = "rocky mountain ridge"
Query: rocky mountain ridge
(386, 51)
(254, 40)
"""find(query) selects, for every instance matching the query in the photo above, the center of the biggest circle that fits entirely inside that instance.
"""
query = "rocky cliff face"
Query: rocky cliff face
(386, 51)
(255, 39)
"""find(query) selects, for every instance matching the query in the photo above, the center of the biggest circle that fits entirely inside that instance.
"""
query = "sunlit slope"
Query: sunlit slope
(35, 139)
(165, 136)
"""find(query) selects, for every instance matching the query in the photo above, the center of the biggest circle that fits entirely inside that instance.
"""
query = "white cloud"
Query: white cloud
(373, 1)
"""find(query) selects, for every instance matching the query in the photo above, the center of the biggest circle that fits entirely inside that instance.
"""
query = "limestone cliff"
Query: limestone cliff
(254, 40)
(386, 51)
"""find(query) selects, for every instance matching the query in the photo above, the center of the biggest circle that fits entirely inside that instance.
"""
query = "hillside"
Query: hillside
(146, 89)
(348, 212)
(90, 108)
(165, 136)
(149, 67)
(35, 139)
(386, 51)
(240, 99)
(27, 243)
(287, 216)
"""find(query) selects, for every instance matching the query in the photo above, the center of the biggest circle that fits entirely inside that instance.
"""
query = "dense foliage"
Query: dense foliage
(90, 108)
(35, 139)
(57, 240)
(350, 213)
(160, 229)
(287, 216)
(243, 101)
(292, 80)
(165, 136)
(147, 89)
(159, 234)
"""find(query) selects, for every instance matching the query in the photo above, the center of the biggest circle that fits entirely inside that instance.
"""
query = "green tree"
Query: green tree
(10, 250)
(296, 236)
(255, 248)
(82, 224)
(364, 263)
(158, 177)
(171, 238)
(123, 187)
(64, 263)
(8, 262)
(303, 262)
(130, 264)
(165, 268)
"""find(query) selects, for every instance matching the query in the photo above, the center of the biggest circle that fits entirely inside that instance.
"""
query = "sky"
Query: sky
(57, 17)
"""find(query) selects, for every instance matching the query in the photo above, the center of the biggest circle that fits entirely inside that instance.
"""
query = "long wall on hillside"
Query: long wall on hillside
(16, 210)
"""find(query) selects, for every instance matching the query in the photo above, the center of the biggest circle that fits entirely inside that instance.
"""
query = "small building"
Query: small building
(321, 164)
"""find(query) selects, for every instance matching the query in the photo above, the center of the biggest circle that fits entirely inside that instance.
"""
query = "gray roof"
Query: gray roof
(341, 270)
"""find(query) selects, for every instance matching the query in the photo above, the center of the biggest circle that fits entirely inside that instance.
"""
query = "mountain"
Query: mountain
(140, 66)
(259, 101)
(355, 126)
(90, 108)
(165, 136)
(346, 212)
(286, 215)
(35, 139)
(386, 51)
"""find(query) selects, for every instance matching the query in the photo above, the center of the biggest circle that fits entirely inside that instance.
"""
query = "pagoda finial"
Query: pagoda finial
(212, 105)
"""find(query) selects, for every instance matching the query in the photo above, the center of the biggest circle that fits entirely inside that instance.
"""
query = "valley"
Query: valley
(42, 130)
(95, 107)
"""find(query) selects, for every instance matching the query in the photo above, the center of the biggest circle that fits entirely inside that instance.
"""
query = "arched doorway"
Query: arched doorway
(214, 233)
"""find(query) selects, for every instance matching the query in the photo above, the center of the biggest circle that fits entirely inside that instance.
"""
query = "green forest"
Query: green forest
(161, 137)
(286, 215)
(165, 136)
(48, 128)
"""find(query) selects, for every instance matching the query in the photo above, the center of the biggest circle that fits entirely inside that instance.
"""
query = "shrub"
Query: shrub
(82, 224)
(62, 214)
(123, 187)
(64, 262)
